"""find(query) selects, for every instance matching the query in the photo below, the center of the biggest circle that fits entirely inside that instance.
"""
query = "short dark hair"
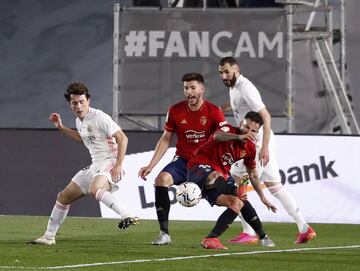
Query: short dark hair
(228, 60)
(254, 116)
(193, 76)
(77, 88)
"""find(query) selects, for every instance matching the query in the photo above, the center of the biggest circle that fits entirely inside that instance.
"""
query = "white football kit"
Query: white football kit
(96, 131)
(245, 97)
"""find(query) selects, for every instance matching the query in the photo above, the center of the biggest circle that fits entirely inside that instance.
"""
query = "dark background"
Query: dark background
(45, 44)
(36, 164)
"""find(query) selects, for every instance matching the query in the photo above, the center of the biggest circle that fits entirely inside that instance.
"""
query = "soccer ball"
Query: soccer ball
(188, 194)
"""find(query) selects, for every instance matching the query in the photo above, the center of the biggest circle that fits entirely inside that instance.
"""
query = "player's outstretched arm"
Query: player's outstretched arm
(160, 149)
(254, 179)
(225, 136)
(56, 120)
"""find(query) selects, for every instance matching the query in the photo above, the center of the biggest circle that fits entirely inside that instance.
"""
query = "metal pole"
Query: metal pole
(116, 62)
(312, 16)
(330, 25)
(204, 4)
(342, 41)
(289, 69)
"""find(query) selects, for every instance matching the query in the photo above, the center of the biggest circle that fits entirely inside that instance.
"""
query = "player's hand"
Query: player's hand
(55, 119)
(246, 137)
(226, 107)
(117, 173)
(269, 205)
(264, 156)
(143, 172)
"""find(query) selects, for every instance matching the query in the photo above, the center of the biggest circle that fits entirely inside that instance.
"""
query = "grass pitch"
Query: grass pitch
(97, 244)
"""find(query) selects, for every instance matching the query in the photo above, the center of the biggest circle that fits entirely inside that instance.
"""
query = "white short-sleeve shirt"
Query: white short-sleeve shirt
(244, 97)
(96, 130)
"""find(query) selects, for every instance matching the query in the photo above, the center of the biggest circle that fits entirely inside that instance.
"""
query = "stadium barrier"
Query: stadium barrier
(319, 170)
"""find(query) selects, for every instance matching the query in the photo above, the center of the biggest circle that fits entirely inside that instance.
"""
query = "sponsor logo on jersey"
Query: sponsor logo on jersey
(89, 129)
(183, 121)
(195, 136)
(203, 120)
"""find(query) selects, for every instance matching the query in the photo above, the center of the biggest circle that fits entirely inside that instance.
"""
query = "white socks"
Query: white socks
(110, 201)
(57, 217)
(246, 227)
(60, 211)
(289, 204)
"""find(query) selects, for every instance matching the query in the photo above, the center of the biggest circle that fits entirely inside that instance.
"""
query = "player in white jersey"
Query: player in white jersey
(107, 145)
(245, 97)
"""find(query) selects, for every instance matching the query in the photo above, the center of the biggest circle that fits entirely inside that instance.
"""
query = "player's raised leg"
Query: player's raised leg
(100, 188)
(306, 233)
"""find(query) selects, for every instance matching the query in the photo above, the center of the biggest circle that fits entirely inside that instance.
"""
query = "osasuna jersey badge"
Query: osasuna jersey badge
(203, 120)
(227, 159)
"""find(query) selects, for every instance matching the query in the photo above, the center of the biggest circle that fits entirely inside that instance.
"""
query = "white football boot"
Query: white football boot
(43, 240)
(163, 239)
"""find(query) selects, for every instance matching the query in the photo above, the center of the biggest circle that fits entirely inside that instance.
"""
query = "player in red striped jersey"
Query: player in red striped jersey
(192, 121)
(210, 167)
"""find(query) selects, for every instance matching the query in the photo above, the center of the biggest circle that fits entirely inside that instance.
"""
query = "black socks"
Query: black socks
(162, 204)
(250, 216)
(223, 223)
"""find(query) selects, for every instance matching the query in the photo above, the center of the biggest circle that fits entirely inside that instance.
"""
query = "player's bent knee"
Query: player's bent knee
(235, 204)
(274, 187)
(97, 184)
(93, 189)
(69, 194)
(164, 179)
(92, 192)
(59, 196)
(63, 198)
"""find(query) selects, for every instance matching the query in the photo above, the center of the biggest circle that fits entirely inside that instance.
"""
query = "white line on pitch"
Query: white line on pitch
(178, 258)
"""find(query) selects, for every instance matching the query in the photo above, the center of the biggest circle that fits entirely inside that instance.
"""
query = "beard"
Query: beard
(230, 82)
(193, 100)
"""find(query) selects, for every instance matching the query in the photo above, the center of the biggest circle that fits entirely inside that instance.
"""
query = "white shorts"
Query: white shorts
(269, 173)
(85, 176)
